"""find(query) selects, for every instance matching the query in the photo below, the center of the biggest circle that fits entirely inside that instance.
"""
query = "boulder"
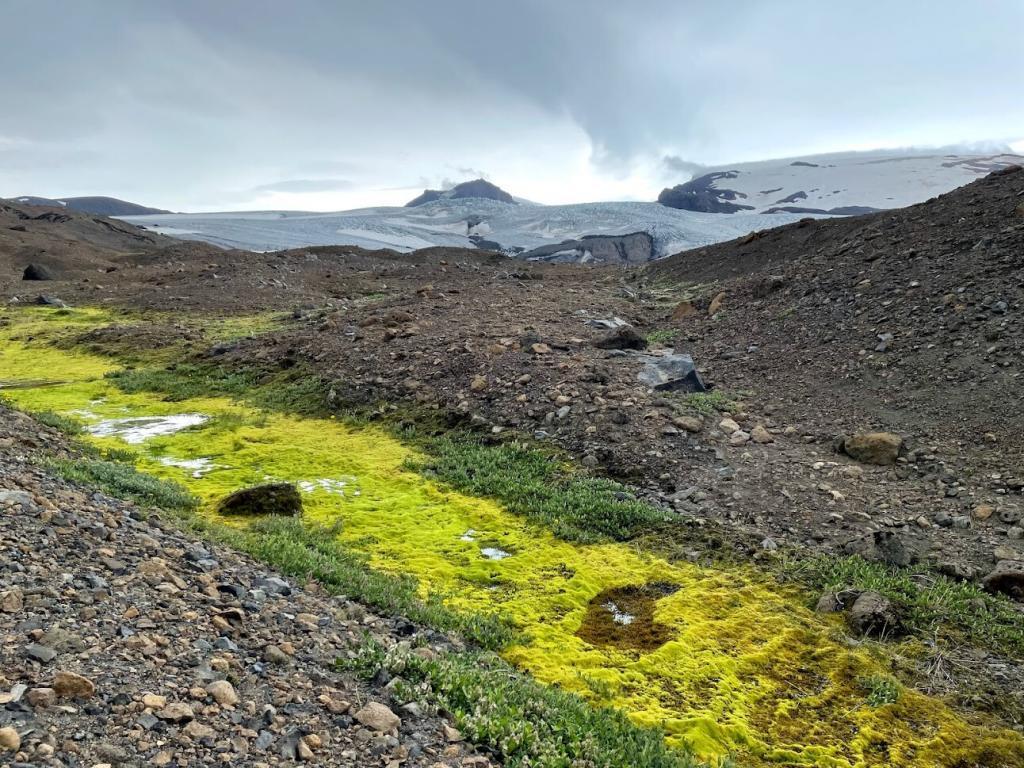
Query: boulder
(880, 448)
(873, 614)
(36, 272)
(672, 373)
(1007, 578)
(625, 337)
(270, 499)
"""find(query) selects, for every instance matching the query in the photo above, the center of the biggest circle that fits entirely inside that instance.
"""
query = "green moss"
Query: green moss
(311, 553)
(66, 425)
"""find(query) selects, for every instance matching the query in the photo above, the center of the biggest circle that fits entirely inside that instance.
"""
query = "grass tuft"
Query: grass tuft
(930, 602)
(124, 481)
(533, 484)
(525, 723)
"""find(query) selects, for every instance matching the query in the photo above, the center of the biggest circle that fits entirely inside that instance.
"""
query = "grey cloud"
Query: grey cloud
(185, 101)
(675, 165)
(304, 185)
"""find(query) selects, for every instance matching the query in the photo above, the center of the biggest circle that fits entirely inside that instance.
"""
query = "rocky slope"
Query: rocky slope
(96, 205)
(124, 641)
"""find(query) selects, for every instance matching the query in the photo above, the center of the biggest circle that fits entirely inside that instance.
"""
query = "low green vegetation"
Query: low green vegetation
(662, 336)
(527, 724)
(124, 481)
(930, 604)
(709, 403)
(880, 690)
(306, 552)
(534, 484)
(66, 425)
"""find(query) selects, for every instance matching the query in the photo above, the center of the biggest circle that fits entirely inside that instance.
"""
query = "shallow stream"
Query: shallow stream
(724, 659)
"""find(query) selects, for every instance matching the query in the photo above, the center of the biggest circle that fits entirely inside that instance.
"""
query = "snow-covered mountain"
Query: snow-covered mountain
(777, 191)
(845, 183)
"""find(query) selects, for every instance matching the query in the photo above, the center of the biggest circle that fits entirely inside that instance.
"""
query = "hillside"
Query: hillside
(532, 441)
(100, 206)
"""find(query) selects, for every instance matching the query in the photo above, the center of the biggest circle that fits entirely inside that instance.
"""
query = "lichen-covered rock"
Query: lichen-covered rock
(270, 499)
(874, 614)
(880, 448)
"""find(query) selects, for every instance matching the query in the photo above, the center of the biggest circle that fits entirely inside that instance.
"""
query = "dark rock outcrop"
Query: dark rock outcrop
(480, 188)
(37, 272)
(702, 196)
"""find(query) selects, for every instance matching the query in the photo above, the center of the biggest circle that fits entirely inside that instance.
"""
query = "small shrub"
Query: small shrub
(880, 690)
(662, 336)
(526, 723)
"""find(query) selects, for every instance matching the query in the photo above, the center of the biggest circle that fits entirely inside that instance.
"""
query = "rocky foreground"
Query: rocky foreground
(126, 642)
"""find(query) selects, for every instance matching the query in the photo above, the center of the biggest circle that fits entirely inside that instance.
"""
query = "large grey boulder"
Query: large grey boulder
(670, 372)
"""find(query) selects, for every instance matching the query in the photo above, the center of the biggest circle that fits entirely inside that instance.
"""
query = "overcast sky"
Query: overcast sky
(334, 104)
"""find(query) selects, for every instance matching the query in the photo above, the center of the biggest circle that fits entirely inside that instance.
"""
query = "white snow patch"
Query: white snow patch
(138, 429)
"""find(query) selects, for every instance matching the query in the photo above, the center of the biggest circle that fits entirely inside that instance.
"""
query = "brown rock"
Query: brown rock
(10, 739)
(154, 701)
(540, 348)
(378, 717)
(716, 304)
(12, 600)
(196, 730)
(70, 685)
(874, 447)
(223, 693)
(683, 310)
(176, 713)
(983, 511)
(41, 697)
(689, 423)
(761, 435)
(625, 337)
(873, 614)
(479, 384)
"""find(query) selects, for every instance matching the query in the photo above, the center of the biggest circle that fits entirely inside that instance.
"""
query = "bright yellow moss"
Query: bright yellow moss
(748, 668)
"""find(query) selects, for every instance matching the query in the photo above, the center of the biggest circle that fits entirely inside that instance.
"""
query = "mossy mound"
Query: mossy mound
(262, 500)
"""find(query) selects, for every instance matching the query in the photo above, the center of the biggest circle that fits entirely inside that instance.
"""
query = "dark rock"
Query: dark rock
(49, 301)
(625, 337)
(270, 499)
(883, 547)
(1007, 578)
(37, 272)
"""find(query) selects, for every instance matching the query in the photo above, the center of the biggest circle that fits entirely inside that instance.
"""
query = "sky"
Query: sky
(335, 104)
